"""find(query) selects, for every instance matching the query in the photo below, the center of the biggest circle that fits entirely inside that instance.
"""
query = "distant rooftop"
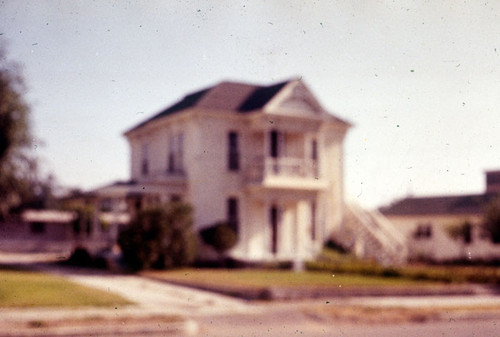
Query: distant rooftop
(465, 204)
(462, 204)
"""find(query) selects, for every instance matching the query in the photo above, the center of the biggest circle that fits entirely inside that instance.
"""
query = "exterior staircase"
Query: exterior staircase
(369, 235)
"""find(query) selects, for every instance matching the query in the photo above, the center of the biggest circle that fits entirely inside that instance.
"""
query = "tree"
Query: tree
(461, 231)
(491, 221)
(159, 238)
(18, 170)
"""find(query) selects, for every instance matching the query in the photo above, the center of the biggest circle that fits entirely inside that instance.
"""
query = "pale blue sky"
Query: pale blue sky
(420, 80)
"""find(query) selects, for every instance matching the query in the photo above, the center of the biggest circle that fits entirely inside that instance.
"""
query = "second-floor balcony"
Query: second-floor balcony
(285, 172)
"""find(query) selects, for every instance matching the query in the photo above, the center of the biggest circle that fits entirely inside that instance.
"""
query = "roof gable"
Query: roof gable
(260, 97)
(297, 98)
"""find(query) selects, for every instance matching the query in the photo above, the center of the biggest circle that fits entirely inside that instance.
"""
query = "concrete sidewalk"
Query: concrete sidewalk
(158, 308)
(150, 296)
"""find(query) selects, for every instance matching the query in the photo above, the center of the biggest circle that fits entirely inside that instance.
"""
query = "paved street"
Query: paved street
(163, 309)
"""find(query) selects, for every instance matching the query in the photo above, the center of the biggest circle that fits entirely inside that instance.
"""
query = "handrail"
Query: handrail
(282, 166)
(165, 174)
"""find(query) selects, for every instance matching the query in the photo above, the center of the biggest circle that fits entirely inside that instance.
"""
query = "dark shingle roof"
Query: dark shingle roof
(187, 102)
(260, 97)
(446, 205)
(233, 96)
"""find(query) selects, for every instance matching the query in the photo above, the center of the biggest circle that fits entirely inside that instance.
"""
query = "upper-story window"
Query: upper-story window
(176, 153)
(145, 160)
(314, 150)
(233, 160)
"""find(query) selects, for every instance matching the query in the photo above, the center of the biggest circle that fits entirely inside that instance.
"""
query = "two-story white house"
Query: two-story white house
(266, 159)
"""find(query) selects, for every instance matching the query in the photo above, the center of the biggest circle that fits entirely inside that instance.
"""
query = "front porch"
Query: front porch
(281, 226)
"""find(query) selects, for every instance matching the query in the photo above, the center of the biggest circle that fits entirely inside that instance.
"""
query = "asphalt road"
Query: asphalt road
(232, 328)
(206, 314)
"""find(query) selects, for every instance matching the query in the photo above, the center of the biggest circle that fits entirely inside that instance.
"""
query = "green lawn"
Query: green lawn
(261, 278)
(29, 289)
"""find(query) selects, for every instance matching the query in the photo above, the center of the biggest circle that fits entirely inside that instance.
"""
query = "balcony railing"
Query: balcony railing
(287, 167)
(166, 175)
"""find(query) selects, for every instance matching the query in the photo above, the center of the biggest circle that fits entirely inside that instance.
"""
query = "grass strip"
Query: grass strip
(20, 288)
(334, 262)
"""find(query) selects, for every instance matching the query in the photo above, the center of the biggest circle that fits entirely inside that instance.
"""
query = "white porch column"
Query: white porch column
(266, 144)
(300, 235)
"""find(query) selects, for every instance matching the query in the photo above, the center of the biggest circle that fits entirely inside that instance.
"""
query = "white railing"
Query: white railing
(379, 238)
(261, 168)
(165, 175)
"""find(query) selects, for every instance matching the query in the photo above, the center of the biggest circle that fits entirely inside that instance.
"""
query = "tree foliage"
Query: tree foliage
(19, 181)
(491, 220)
(461, 231)
(159, 238)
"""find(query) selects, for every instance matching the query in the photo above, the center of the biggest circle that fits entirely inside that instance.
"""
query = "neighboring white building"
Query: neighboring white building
(266, 159)
(48, 230)
(446, 228)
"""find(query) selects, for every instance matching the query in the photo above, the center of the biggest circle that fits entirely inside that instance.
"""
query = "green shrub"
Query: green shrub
(220, 236)
(160, 238)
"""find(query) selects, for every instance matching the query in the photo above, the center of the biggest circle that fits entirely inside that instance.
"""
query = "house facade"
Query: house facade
(446, 228)
(268, 160)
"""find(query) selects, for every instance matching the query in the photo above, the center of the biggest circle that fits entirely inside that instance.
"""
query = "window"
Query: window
(233, 162)
(37, 227)
(423, 231)
(175, 153)
(233, 214)
(145, 160)
(467, 228)
(106, 205)
(314, 150)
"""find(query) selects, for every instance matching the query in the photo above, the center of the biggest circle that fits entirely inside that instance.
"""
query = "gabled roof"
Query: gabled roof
(445, 205)
(233, 96)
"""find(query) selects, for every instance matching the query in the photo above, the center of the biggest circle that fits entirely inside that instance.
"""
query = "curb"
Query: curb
(282, 293)
(183, 328)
